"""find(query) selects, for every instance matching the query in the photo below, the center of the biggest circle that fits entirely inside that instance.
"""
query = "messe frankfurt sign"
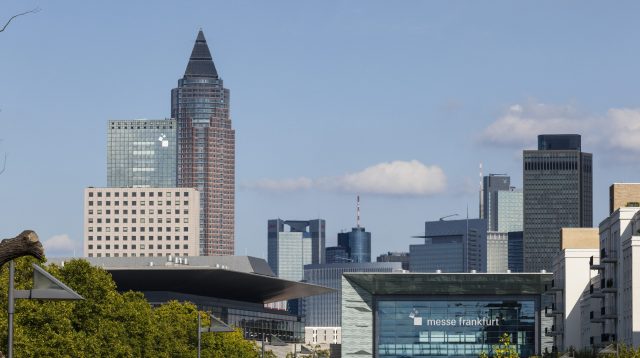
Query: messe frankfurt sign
(460, 321)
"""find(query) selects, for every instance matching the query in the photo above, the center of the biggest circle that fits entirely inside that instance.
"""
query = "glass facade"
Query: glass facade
(459, 327)
(253, 319)
(141, 154)
(451, 246)
(324, 310)
(357, 243)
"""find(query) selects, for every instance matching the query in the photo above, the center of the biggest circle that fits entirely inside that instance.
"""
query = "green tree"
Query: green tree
(107, 323)
(503, 349)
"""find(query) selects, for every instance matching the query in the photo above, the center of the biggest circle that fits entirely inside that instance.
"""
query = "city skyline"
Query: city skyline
(311, 97)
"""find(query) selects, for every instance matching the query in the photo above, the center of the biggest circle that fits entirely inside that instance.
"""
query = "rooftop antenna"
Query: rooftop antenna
(481, 201)
(358, 211)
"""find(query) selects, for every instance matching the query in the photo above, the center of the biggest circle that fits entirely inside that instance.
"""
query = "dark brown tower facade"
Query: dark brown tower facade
(206, 148)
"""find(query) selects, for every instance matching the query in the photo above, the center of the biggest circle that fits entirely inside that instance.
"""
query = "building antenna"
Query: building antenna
(358, 211)
(481, 201)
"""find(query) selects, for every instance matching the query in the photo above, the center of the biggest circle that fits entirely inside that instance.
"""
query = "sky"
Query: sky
(398, 102)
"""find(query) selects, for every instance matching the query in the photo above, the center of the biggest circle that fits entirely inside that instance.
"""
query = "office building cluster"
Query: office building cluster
(530, 265)
(170, 182)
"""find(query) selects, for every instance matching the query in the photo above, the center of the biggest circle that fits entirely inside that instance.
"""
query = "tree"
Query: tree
(32, 11)
(107, 323)
(504, 349)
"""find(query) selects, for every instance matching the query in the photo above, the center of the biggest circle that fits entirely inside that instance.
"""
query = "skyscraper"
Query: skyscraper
(451, 246)
(293, 244)
(206, 148)
(141, 153)
(558, 193)
(357, 243)
(288, 251)
(491, 185)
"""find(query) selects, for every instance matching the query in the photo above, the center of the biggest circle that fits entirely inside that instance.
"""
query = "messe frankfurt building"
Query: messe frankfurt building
(443, 314)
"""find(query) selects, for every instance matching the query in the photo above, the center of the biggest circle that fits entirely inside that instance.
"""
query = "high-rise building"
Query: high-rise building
(136, 222)
(141, 153)
(402, 257)
(291, 245)
(451, 246)
(206, 148)
(336, 254)
(357, 243)
(491, 185)
(557, 193)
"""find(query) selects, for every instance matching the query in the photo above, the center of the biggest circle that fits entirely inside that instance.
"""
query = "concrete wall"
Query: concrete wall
(357, 321)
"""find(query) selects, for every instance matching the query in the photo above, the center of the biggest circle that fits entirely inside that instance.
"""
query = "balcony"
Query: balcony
(552, 287)
(552, 311)
(553, 331)
(608, 286)
(595, 266)
(607, 315)
(594, 319)
(608, 257)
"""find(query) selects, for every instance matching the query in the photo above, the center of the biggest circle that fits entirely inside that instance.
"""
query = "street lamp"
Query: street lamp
(216, 326)
(45, 287)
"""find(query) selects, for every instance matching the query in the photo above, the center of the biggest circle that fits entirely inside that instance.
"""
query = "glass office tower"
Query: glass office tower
(558, 191)
(141, 153)
(206, 148)
(357, 243)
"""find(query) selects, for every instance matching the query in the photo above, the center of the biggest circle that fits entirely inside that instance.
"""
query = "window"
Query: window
(185, 246)
(90, 228)
(99, 194)
(186, 202)
(90, 204)
(186, 193)
(185, 220)
(90, 212)
(91, 194)
(185, 237)
(177, 229)
(99, 211)
(177, 220)
(90, 238)
(185, 229)
(90, 247)
(90, 220)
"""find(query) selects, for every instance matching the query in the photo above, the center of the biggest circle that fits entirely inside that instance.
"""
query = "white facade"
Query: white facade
(620, 278)
(595, 310)
(571, 282)
(322, 335)
(288, 252)
(130, 222)
(497, 251)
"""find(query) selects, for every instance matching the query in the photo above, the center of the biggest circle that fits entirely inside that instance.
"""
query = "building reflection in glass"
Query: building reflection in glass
(426, 328)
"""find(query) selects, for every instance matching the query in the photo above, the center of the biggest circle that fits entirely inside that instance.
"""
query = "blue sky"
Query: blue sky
(396, 101)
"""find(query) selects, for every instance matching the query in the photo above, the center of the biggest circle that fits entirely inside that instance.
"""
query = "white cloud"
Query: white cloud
(410, 178)
(59, 245)
(521, 123)
(618, 129)
(393, 178)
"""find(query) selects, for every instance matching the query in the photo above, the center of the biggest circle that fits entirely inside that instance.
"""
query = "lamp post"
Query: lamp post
(45, 287)
(216, 326)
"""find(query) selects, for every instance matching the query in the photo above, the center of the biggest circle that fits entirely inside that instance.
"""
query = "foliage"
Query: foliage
(504, 349)
(107, 323)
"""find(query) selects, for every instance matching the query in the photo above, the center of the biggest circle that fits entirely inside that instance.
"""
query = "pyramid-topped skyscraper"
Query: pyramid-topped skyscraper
(206, 148)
